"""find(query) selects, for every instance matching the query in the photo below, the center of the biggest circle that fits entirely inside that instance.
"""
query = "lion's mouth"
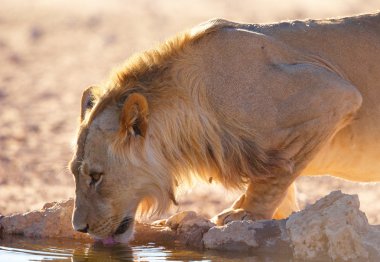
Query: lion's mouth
(116, 237)
(124, 225)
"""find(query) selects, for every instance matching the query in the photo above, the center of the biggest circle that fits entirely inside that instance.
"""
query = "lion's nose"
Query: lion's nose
(83, 230)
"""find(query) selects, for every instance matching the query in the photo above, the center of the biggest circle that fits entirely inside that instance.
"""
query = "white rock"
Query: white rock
(53, 220)
(236, 232)
(334, 227)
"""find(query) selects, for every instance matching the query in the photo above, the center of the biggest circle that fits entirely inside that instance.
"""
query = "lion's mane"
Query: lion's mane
(186, 137)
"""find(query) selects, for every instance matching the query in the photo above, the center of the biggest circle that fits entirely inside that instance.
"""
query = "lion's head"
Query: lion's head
(108, 167)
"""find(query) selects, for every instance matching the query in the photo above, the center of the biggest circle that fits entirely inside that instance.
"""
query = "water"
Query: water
(24, 249)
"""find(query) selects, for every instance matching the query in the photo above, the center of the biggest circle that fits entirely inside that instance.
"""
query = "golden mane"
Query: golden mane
(139, 70)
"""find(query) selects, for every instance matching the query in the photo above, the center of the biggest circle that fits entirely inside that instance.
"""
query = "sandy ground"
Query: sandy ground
(51, 50)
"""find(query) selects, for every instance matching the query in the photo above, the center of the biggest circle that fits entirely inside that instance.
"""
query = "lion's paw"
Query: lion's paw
(232, 215)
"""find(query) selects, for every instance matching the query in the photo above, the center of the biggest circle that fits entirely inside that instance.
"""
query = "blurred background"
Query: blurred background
(50, 50)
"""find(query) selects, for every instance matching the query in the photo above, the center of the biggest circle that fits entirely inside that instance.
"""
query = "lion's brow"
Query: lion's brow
(79, 155)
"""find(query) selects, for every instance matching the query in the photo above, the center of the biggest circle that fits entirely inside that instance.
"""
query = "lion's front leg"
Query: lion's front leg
(289, 204)
(260, 201)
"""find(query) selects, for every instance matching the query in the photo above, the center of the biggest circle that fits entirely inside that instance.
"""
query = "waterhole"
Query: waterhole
(25, 249)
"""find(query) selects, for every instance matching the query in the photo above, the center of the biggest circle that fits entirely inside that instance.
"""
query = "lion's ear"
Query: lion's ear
(134, 116)
(87, 101)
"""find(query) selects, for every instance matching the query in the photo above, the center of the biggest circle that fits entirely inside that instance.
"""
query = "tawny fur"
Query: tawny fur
(248, 106)
(187, 139)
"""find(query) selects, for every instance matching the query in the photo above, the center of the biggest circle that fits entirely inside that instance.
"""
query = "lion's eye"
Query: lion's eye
(96, 177)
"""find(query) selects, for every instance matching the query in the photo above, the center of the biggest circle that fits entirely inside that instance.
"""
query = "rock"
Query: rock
(333, 227)
(3, 94)
(261, 236)
(191, 228)
(15, 58)
(94, 21)
(235, 235)
(53, 220)
(36, 33)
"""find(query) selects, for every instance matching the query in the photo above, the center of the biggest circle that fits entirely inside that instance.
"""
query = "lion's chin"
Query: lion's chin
(125, 237)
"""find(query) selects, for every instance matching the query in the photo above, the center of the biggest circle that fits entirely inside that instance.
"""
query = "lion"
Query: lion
(249, 106)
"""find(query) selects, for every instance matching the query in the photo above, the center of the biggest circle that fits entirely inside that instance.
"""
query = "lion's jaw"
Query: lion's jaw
(123, 234)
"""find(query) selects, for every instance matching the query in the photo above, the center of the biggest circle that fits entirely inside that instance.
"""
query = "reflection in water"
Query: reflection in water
(100, 252)
(24, 249)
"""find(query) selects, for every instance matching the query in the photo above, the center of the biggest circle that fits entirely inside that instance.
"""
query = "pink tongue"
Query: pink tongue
(108, 241)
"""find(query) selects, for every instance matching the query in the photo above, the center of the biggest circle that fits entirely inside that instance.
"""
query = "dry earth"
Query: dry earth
(51, 50)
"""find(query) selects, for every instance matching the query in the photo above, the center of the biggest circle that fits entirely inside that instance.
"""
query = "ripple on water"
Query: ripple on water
(24, 249)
